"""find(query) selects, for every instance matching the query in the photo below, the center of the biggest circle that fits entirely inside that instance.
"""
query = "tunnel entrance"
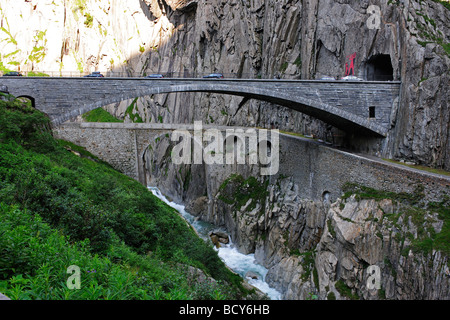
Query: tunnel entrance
(379, 68)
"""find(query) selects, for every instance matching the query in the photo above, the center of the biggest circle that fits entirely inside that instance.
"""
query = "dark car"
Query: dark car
(214, 76)
(13, 74)
(154, 76)
(95, 74)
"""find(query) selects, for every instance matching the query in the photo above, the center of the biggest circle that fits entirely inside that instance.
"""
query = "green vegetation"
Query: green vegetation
(4, 69)
(427, 19)
(331, 296)
(38, 52)
(284, 66)
(37, 74)
(394, 2)
(8, 38)
(345, 290)
(431, 34)
(419, 167)
(294, 134)
(58, 209)
(89, 21)
(331, 228)
(298, 61)
(422, 80)
(7, 31)
(99, 115)
(308, 264)
(133, 113)
(78, 6)
(411, 207)
(363, 192)
(239, 191)
(445, 3)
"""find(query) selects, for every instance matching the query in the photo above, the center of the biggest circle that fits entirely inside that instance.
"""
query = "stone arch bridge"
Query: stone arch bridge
(319, 171)
(363, 107)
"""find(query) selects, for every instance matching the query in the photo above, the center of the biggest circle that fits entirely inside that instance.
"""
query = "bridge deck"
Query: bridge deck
(361, 107)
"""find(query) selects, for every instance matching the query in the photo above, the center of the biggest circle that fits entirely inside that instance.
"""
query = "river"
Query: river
(238, 262)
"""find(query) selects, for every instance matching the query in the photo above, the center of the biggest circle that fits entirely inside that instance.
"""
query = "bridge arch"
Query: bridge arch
(30, 98)
(341, 104)
(337, 117)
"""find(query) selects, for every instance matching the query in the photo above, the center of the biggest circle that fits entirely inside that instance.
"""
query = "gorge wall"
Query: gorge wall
(258, 38)
(316, 243)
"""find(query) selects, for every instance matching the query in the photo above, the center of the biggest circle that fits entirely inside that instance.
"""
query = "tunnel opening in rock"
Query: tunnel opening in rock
(379, 68)
(326, 197)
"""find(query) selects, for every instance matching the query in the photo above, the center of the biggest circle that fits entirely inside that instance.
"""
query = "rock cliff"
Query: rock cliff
(317, 248)
(325, 249)
(405, 40)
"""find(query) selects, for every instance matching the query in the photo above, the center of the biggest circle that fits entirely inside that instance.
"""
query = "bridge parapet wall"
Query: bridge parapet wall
(343, 104)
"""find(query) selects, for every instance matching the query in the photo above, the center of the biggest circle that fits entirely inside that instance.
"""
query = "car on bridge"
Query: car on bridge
(95, 74)
(214, 76)
(13, 74)
(327, 78)
(351, 78)
(154, 76)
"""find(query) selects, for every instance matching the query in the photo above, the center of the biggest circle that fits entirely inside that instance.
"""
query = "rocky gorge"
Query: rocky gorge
(312, 248)
(318, 248)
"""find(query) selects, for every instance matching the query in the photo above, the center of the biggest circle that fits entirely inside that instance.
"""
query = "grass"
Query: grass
(420, 167)
(37, 74)
(363, 192)
(99, 115)
(59, 209)
(294, 134)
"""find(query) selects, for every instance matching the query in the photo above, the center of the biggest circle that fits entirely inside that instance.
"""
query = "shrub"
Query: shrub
(92, 205)
(25, 125)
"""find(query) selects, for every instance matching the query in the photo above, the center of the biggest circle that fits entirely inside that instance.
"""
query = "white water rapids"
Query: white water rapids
(238, 262)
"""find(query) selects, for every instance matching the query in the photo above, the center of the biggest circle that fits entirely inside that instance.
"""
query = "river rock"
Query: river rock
(215, 240)
(252, 275)
(198, 206)
(219, 236)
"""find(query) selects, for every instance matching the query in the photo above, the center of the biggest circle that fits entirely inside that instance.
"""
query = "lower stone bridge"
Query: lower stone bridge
(319, 170)
(362, 107)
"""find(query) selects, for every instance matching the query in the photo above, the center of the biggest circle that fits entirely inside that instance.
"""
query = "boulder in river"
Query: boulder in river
(251, 275)
(218, 237)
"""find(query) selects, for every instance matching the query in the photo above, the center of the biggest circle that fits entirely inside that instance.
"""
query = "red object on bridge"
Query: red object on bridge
(350, 71)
